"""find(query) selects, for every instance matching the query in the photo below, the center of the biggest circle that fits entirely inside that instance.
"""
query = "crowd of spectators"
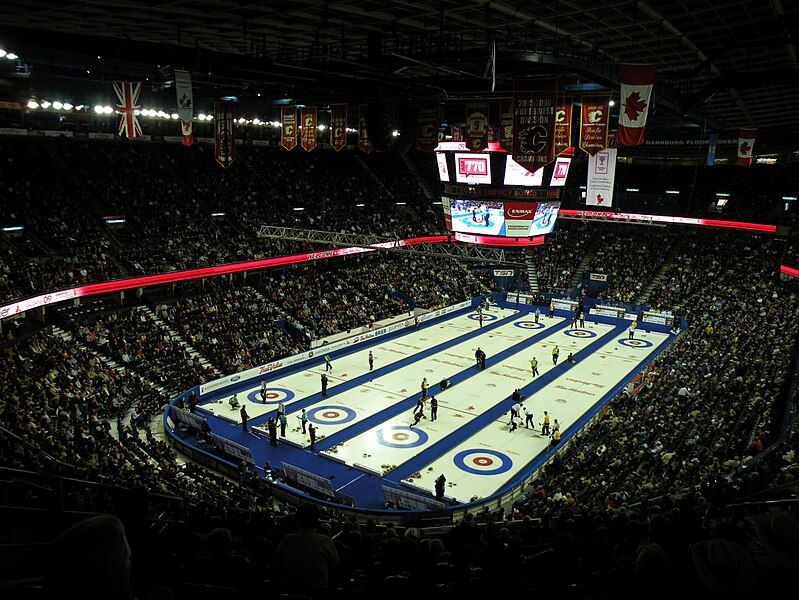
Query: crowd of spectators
(558, 259)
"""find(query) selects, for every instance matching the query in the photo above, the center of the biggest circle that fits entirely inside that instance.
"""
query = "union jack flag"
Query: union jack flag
(128, 94)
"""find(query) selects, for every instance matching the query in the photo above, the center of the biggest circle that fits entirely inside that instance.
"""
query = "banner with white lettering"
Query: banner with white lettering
(477, 126)
(563, 124)
(427, 134)
(308, 131)
(363, 139)
(533, 123)
(594, 123)
(224, 133)
(338, 126)
(288, 127)
(506, 124)
(601, 178)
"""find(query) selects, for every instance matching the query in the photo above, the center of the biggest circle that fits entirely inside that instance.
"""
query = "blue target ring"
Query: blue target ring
(478, 461)
(274, 395)
(333, 415)
(635, 343)
(580, 333)
(401, 433)
(476, 317)
(528, 325)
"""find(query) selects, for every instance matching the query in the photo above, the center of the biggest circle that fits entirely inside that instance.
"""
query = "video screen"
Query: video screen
(546, 213)
(478, 216)
(473, 168)
(560, 172)
(515, 174)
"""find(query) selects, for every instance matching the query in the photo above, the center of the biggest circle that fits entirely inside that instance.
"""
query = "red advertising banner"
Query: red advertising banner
(427, 134)
(457, 132)
(476, 126)
(594, 120)
(506, 124)
(288, 130)
(224, 134)
(363, 139)
(534, 122)
(338, 126)
(563, 124)
(308, 131)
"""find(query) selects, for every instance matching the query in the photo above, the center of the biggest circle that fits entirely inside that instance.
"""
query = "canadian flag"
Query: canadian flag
(636, 97)
(746, 143)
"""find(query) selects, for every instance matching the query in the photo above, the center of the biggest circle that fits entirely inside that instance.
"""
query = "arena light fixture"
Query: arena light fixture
(722, 194)
(174, 116)
(360, 205)
(611, 102)
(298, 208)
(11, 56)
(201, 117)
(672, 191)
(632, 189)
(400, 203)
(2, 53)
(45, 104)
(58, 105)
(789, 198)
(12, 228)
(67, 106)
(80, 107)
(32, 104)
(351, 130)
(218, 214)
(395, 133)
(321, 127)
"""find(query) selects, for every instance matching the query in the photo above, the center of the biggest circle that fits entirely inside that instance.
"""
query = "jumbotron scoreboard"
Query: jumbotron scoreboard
(488, 195)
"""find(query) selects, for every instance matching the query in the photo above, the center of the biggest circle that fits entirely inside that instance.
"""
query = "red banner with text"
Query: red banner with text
(563, 124)
(308, 131)
(594, 121)
(338, 126)
(427, 134)
(476, 126)
(224, 134)
(288, 127)
(534, 123)
(363, 139)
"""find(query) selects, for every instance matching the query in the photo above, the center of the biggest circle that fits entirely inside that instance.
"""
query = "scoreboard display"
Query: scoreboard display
(490, 194)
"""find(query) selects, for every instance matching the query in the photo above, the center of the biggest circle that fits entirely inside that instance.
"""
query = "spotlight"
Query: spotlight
(611, 103)
(201, 116)
(45, 104)
(67, 106)
(321, 127)
(33, 104)
(58, 105)
(107, 110)
(395, 133)
(174, 116)
(11, 56)
(2, 53)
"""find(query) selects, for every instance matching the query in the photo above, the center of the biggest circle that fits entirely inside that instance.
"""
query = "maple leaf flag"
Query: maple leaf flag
(746, 143)
(636, 97)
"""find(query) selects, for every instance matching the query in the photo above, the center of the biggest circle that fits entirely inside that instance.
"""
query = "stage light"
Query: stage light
(298, 208)
(107, 110)
(256, 121)
(362, 205)
(400, 203)
(611, 103)
(632, 189)
(33, 104)
(80, 107)
(58, 105)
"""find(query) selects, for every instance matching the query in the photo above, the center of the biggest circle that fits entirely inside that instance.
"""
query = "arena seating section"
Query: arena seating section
(663, 467)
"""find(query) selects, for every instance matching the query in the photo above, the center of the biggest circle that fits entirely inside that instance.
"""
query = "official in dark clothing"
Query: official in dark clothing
(440, 487)
(324, 385)
(272, 427)
(433, 408)
(192, 402)
(477, 354)
(244, 417)
(312, 433)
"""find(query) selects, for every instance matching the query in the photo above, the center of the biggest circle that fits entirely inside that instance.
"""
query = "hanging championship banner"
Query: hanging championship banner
(363, 139)
(128, 96)
(534, 122)
(506, 124)
(594, 124)
(427, 135)
(308, 131)
(746, 143)
(185, 105)
(601, 178)
(288, 127)
(338, 126)
(457, 132)
(563, 124)
(636, 97)
(224, 134)
(476, 126)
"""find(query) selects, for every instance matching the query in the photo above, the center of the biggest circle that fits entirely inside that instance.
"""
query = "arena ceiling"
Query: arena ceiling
(720, 63)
